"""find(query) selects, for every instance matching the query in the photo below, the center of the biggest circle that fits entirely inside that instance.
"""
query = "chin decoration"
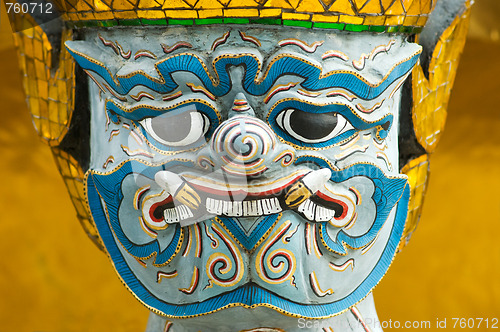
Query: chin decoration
(264, 159)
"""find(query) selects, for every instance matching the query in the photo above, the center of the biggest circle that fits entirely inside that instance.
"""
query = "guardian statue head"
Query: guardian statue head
(264, 160)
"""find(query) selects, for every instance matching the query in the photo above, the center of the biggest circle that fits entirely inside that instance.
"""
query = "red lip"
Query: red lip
(332, 203)
(156, 210)
(240, 194)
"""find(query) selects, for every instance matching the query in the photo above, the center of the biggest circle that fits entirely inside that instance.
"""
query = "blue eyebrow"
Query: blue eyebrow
(284, 64)
(140, 112)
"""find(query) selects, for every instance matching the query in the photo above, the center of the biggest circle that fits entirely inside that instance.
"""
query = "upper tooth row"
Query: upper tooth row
(266, 206)
(314, 212)
(243, 208)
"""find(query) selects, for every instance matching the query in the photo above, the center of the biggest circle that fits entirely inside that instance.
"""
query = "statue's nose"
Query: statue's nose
(240, 107)
(241, 143)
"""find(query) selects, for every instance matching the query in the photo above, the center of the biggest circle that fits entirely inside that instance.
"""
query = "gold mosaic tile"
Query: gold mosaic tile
(430, 96)
(293, 3)
(410, 21)
(413, 9)
(158, 14)
(370, 7)
(342, 6)
(293, 16)
(394, 20)
(241, 12)
(310, 6)
(42, 83)
(351, 19)
(417, 171)
(345, 11)
(396, 9)
(270, 12)
(278, 4)
(325, 18)
(179, 4)
(73, 178)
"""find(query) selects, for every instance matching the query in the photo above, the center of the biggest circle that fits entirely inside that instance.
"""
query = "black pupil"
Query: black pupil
(312, 126)
(172, 128)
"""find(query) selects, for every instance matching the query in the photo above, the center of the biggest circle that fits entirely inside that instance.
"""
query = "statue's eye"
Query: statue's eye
(312, 127)
(177, 129)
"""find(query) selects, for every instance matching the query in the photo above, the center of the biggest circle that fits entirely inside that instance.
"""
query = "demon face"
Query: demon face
(249, 167)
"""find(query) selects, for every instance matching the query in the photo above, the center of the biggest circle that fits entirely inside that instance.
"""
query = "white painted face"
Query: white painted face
(246, 166)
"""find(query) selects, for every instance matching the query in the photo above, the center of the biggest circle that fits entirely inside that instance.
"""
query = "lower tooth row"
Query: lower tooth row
(176, 214)
(315, 212)
(243, 208)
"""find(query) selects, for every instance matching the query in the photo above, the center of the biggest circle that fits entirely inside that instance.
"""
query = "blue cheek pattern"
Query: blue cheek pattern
(142, 112)
(383, 125)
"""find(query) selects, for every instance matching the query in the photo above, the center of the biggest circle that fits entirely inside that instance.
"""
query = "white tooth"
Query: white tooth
(214, 206)
(225, 207)
(210, 205)
(250, 208)
(247, 206)
(238, 209)
(324, 214)
(218, 207)
(310, 210)
(170, 216)
(302, 206)
(320, 213)
(184, 212)
(329, 214)
(189, 212)
(266, 206)
(259, 207)
(307, 208)
(275, 205)
(230, 211)
(180, 212)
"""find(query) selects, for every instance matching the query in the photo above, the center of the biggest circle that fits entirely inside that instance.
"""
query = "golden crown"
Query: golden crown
(407, 16)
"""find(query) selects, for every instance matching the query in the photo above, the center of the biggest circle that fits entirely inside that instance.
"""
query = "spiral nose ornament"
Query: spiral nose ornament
(241, 145)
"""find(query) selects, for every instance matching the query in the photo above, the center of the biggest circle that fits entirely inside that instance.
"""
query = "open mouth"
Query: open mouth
(190, 199)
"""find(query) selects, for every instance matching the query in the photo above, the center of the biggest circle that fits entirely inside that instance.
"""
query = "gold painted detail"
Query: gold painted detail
(219, 266)
(194, 282)
(313, 279)
(187, 195)
(166, 275)
(264, 259)
(297, 194)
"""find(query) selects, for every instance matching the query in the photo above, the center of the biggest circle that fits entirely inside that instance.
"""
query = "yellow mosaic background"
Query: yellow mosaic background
(54, 279)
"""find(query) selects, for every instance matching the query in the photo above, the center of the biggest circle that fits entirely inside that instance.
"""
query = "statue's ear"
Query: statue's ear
(443, 39)
(48, 74)
(445, 17)
(425, 98)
